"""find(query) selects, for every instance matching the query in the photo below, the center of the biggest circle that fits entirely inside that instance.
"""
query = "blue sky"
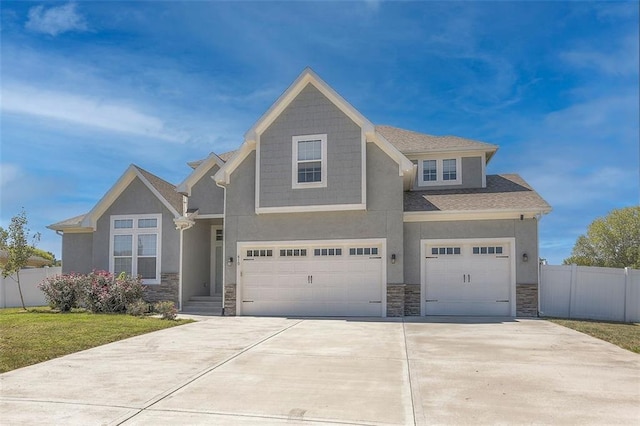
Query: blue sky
(91, 87)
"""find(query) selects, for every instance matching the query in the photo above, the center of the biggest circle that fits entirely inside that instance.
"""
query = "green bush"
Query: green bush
(63, 291)
(167, 309)
(138, 308)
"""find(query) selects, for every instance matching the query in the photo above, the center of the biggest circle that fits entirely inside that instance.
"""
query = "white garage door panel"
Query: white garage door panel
(468, 283)
(342, 285)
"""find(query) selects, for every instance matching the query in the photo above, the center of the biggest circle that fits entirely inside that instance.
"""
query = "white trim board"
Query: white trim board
(457, 215)
(314, 208)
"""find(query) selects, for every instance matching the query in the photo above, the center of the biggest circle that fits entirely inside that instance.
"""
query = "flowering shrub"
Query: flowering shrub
(167, 309)
(63, 291)
(104, 292)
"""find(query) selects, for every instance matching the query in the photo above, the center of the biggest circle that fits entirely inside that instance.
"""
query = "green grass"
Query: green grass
(40, 334)
(625, 335)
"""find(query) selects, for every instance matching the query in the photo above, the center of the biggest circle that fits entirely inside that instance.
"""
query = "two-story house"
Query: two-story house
(320, 212)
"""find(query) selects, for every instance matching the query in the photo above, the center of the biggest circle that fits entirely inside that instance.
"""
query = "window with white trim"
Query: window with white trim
(439, 171)
(135, 246)
(309, 161)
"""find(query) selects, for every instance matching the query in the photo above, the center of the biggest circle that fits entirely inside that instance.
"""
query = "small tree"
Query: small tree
(14, 241)
(611, 241)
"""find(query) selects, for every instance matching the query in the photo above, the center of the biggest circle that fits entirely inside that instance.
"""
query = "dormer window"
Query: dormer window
(439, 171)
(309, 165)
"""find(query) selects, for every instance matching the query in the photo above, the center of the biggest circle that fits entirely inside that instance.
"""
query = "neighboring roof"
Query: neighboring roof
(33, 262)
(409, 142)
(503, 192)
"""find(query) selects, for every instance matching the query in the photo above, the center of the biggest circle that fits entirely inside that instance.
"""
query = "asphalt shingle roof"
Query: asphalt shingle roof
(409, 142)
(507, 191)
(73, 222)
(166, 189)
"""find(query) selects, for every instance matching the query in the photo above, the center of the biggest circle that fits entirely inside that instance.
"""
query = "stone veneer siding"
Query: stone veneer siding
(412, 300)
(403, 300)
(395, 300)
(168, 289)
(527, 300)
(230, 300)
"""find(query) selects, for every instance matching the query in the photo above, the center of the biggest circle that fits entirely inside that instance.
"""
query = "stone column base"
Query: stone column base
(230, 300)
(527, 300)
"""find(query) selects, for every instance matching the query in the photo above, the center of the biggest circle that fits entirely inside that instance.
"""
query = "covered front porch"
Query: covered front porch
(201, 289)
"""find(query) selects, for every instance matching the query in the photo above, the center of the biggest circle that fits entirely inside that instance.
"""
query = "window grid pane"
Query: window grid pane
(449, 169)
(122, 264)
(147, 268)
(310, 172)
(429, 171)
(123, 223)
(147, 223)
(122, 245)
(309, 150)
(147, 244)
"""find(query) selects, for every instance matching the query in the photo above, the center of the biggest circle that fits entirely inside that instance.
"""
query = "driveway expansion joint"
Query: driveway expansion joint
(197, 376)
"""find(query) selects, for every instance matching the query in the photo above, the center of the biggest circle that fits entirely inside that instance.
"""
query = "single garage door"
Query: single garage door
(339, 279)
(468, 279)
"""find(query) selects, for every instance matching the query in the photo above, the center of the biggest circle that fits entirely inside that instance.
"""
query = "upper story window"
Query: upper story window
(439, 171)
(309, 162)
(135, 246)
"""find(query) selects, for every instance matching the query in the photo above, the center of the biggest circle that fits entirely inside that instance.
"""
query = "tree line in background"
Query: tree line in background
(611, 241)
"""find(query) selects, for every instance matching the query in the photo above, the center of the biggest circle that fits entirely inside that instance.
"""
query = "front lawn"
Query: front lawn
(625, 335)
(40, 334)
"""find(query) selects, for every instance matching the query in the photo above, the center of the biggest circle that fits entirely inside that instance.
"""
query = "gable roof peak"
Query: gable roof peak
(163, 190)
(307, 76)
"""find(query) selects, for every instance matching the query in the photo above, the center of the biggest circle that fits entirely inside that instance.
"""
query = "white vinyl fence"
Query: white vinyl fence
(29, 280)
(570, 291)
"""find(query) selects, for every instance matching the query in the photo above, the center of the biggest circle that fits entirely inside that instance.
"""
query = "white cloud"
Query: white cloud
(87, 111)
(617, 60)
(55, 20)
(8, 173)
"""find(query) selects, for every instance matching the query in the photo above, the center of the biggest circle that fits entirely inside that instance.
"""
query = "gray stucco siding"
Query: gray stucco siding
(311, 113)
(471, 175)
(382, 219)
(525, 233)
(137, 199)
(206, 196)
(197, 260)
(77, 253)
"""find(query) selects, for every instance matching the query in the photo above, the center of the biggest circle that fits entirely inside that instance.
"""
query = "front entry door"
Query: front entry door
(216, 261)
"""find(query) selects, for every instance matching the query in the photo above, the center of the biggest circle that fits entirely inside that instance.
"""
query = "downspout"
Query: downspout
(224, 242)
(537, 217)
(180, 268)
(182, 223)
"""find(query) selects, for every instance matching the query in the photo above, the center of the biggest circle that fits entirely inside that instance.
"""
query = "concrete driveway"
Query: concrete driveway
(334, 371)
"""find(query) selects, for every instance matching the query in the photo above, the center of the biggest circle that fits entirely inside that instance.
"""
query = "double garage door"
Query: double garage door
(343, 278)
(468, 278)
